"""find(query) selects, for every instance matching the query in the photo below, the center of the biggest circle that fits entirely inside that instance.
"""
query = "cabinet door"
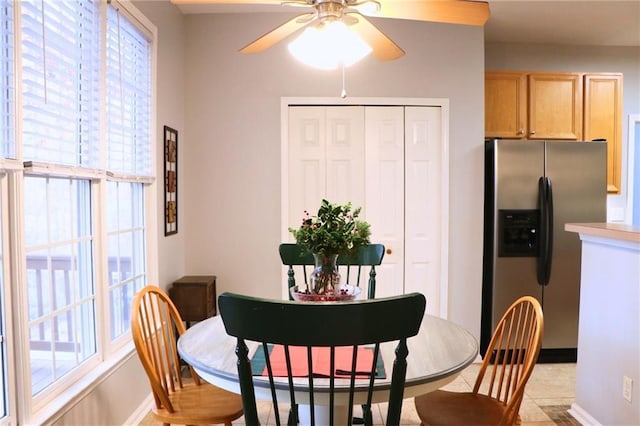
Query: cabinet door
(505, 104)
(555, 106)
(603, 119)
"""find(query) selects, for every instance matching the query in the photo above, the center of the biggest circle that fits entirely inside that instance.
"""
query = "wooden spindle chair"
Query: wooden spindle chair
(353, 268)
(505, 370)
(155, 322)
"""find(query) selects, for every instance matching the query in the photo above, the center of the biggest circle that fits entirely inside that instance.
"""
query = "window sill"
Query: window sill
(67, 399)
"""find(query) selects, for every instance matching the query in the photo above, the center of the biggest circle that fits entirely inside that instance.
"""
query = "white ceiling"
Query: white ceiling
(577, 22)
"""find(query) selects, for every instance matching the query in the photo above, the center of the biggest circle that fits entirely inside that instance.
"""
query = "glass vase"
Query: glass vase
(325, 278)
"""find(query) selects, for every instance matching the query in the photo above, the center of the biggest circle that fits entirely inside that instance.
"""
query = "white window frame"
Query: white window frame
(7, 311)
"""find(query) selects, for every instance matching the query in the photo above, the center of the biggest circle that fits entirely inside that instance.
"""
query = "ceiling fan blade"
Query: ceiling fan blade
(383, 47)
(279, 34)
(465, 12)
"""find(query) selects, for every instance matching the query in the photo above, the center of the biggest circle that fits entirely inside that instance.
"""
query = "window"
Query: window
(60, 286)
(60, 77)
(82, 169)
(128, 96)
(60, 82)
(3, 333)
(7, 124)
(7, 144)
(125, 250)
(128, 110)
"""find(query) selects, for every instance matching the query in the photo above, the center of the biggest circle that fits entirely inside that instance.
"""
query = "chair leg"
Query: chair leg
(367, 417)
(293, 418)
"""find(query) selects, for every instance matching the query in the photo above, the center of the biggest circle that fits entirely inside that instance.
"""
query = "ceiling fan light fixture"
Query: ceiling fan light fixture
(329, 45)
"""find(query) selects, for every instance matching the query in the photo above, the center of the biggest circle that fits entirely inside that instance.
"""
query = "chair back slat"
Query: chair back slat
(155, 326)
(371, 255)
(274, 396)
(511, 355)
(331, 325)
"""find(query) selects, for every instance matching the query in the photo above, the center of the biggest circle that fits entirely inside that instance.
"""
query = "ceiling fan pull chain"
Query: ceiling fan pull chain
(344, 88)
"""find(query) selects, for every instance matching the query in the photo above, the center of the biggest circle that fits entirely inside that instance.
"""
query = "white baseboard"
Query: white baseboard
(141, 412)
(582, 416)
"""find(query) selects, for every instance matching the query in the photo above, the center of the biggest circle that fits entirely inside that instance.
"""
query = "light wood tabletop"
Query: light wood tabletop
(439, 352)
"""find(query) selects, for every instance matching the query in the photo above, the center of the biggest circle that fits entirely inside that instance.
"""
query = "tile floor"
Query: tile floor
(550, 386)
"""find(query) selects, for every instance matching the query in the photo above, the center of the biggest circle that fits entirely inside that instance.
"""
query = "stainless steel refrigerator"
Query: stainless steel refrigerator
(532, 188)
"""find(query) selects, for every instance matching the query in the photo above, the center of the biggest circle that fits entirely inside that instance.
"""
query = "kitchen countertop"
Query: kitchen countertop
(617, 231)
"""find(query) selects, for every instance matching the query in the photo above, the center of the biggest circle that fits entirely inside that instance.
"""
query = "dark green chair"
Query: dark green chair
(361, 322)
(351, 267)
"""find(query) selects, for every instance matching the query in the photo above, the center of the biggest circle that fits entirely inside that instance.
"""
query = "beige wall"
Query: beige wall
(170, 111)
(231, 149)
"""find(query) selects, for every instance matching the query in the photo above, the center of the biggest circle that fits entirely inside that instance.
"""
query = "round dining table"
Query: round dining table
(437, 354)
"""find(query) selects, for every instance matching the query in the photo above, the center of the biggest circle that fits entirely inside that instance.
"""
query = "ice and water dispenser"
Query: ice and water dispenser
(518, 233)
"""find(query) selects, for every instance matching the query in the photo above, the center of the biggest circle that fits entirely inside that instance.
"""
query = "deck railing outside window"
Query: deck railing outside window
(60, 266)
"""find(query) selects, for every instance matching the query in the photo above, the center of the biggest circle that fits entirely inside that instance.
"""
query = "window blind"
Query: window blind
(128, 96)
(7, 111)
(61, 87)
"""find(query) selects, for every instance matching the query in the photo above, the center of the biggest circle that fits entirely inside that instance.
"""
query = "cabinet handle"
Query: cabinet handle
(389, 251)
(533, 132)
(521, 132)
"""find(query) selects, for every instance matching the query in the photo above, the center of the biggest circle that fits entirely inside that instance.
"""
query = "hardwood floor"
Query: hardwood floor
(549, 393)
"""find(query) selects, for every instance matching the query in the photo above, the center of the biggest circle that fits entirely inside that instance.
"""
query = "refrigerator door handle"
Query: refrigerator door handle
(549, 231)
(541, 261)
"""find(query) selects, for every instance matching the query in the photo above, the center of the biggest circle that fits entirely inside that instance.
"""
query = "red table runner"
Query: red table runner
(320, 358)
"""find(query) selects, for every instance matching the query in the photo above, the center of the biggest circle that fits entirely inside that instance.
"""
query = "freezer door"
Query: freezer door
(578, 175)
(518, 166)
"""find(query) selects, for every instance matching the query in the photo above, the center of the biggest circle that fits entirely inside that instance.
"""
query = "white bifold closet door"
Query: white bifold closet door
(387, 159)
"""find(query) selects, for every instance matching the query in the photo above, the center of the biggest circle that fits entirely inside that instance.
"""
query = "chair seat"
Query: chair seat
(458, 408)
(204, 404)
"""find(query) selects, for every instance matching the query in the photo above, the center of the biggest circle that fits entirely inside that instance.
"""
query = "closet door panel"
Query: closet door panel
(391, 161)
(422, 195)
(384, 133)
(307, 161)
(345, 154)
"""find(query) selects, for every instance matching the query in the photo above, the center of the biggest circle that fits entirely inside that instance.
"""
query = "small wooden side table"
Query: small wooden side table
(194, 297)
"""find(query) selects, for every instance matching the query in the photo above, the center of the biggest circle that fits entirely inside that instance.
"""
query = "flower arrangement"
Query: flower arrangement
(334, 230)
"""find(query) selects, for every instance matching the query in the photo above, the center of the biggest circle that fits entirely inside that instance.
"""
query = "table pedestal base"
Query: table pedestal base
(340, 413)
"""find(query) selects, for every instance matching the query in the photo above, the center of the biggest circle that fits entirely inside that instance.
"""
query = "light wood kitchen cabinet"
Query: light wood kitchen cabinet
(603, 120)
(558, 105)
(525, 105)
(555, 106)
(505, 105)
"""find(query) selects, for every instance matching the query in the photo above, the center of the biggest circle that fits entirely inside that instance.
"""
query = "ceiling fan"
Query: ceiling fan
(352, 13)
